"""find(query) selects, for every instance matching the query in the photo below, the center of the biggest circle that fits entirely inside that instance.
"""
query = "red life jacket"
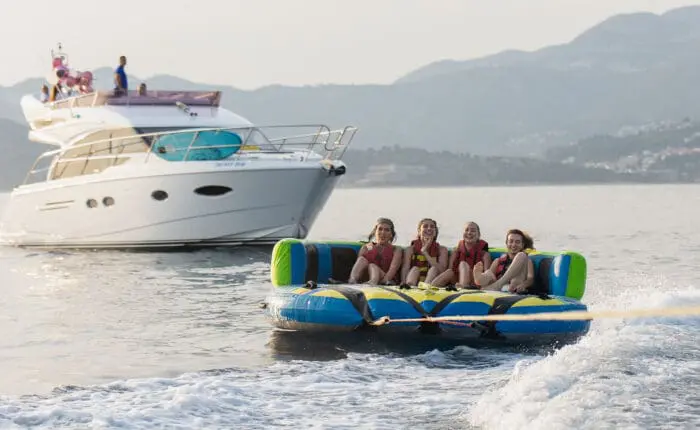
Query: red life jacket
(419, 260)
(503, 265)
(472, 255)
(381, 255)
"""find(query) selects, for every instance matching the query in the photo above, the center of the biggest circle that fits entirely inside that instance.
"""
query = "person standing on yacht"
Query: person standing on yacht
(121, 84)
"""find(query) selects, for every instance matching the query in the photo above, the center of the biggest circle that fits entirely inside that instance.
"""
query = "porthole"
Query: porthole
(108, 201)
(213, 190)
(159, 195)
(91, 203)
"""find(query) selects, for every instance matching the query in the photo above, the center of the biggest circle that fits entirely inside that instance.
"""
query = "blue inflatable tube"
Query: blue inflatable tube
(297, 304)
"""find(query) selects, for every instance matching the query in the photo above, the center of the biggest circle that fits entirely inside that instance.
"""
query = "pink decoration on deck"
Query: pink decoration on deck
(82, 81)
(85, 82)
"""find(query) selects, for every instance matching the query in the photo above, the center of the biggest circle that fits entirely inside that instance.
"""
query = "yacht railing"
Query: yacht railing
(133, 98)
(97, 155)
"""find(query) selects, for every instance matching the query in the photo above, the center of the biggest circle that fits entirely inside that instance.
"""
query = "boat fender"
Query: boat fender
(332, 169)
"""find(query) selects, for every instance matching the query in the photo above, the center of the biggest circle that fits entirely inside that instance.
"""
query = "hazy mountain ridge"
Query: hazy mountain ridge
(629, 69)
(418, 167)
(638, 40)
(18, 153)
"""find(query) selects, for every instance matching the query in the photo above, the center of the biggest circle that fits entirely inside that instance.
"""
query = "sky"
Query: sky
(249, 44)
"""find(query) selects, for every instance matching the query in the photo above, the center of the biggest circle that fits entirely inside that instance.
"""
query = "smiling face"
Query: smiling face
(514, 243)
(471, 233)
(383, 234)
(427, 229)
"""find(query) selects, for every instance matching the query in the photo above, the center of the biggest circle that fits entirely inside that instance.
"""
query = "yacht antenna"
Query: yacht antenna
(60, 49)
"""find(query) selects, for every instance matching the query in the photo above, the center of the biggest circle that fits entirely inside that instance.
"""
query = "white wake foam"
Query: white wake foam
(625, 374)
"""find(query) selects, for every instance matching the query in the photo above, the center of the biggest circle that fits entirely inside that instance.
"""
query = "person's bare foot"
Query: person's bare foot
(480, 278)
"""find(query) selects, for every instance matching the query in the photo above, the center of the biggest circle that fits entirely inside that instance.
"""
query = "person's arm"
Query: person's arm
(486, 259)
(362, 252)
(492, 271)
(451, 262)
(406, 266)
(529, 279)
(493, 266)
(395, 264)
(425, 251)
(443, 256)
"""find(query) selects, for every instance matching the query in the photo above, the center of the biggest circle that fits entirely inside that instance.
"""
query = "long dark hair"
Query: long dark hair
(528, 242)
(420, 223)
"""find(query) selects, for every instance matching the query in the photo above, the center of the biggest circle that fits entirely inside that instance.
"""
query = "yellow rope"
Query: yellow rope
(551, 316)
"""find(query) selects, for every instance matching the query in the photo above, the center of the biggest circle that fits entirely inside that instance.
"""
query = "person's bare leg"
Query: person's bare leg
(515, 271)
(482, 278)
(358, 269)
(464, 276)
(375, 274)
(518, 280)
(413, 276)
(431, 275)
(443, 279)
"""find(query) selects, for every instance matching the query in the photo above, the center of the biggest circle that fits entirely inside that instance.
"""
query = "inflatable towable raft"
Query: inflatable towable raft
(303, 300)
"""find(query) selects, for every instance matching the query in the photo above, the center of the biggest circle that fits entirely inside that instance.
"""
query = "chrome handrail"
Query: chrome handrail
(338, 140)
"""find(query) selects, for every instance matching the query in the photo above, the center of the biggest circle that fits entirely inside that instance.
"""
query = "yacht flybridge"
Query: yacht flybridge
(165, 169)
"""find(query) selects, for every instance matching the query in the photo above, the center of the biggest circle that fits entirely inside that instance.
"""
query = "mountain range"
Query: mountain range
(629, 69)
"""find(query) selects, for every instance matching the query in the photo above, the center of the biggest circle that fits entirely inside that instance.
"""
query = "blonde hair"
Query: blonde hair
(386, 221)
(478, 229)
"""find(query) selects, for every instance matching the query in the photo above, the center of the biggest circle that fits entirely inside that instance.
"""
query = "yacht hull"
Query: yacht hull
(263, 206)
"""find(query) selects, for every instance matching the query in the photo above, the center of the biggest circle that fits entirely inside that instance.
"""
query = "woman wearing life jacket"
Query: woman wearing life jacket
(378, 260)
(468, 252)
(425, 258)
(512, 271)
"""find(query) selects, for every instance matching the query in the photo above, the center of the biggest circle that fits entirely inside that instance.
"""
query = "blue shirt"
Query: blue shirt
(122, 77)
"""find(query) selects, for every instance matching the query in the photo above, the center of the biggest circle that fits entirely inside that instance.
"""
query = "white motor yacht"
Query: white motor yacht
(166, 169)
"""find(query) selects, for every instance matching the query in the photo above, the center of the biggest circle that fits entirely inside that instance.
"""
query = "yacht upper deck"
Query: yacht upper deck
(133, 98)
